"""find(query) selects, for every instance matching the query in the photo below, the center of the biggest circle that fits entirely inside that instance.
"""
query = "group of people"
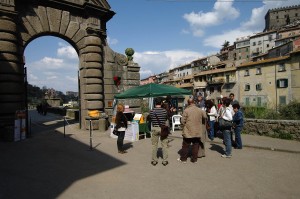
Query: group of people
(42, 108)
(198, 118)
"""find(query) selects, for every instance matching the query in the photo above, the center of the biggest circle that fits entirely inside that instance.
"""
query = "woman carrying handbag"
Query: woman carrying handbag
(121, 126)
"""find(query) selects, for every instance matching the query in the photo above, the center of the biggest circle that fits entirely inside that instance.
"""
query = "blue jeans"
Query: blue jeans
(238, 139)
(227, 140)
(211, 130)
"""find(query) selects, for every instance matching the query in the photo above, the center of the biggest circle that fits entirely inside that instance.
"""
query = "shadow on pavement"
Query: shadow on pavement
(218, 148)
(45, 165)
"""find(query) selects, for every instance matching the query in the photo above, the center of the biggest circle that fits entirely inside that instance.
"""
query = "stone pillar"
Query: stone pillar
(91, 77)
(12, 89)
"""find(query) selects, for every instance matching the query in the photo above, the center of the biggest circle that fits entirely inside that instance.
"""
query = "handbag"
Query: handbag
(115, 132)
(164, 129)
(225, 124)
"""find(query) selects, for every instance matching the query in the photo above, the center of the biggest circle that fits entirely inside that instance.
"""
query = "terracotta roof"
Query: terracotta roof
(220, 70)
(264, 61)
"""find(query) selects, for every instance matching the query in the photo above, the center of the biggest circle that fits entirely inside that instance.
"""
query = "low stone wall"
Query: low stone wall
(286, 129)
(73, 113)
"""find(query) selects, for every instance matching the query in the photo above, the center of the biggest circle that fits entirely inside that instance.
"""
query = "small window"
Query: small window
(247, 87)
(254, 44)
(258, 87)
(258, 71)
(259, 42)
(270, 37)
(282, 100)
(281, 67)
(282, 83)
(268, 45)
(247, 73)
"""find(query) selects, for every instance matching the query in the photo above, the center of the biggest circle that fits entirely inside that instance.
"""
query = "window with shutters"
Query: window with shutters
(258, 101)
(282, 83)
(247, 101)
(282, 100)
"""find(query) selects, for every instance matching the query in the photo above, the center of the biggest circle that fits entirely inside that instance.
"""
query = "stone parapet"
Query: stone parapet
(273, 128)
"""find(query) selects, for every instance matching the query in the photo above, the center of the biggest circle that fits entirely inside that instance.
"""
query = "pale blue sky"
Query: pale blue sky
(164, 34)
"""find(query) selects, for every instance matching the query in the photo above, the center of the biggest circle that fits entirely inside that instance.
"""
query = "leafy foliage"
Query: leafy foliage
(286, 112)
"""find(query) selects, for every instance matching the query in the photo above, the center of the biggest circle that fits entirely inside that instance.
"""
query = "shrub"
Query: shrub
(285, 112)
(254, 112)
(290, 111)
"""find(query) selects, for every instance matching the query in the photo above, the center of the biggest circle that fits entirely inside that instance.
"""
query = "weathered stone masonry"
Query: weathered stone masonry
(82, 23)
(272, 128)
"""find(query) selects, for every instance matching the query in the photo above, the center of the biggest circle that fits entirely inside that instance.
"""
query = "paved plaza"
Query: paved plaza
(51, 165)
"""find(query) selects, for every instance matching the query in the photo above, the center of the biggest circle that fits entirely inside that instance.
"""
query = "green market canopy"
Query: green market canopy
(152, 90)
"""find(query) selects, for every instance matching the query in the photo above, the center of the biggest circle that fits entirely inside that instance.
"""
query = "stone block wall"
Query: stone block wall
(273, 128)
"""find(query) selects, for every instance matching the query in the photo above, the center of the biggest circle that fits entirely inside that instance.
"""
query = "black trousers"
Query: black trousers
(120, 140)
(185, 148)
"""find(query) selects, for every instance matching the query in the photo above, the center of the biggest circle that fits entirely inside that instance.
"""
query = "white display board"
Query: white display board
(131, 133)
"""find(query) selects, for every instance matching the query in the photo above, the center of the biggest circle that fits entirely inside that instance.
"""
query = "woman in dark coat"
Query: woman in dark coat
(121, 126)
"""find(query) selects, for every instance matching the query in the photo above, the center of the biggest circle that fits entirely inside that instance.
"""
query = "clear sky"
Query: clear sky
(164, 34)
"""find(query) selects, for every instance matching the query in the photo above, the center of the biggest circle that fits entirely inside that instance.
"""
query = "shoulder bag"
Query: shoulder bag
(224, 124)
(164, 129)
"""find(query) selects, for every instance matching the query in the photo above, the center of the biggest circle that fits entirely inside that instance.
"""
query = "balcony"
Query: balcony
(184, 85)
(216, 80)
(200, 84)
(230, 80)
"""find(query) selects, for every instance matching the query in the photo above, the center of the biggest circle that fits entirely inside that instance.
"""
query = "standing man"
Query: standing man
(200, 102)
(158, 117)
(192, 130)
(232, 100)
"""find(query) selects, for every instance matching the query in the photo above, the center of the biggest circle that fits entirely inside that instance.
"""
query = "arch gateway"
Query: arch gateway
(80, 22)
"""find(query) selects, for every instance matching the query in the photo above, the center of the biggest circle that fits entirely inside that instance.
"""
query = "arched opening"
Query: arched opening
(51, 71)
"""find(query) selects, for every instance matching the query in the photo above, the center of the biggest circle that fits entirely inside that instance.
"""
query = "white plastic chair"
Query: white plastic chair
(175, 121)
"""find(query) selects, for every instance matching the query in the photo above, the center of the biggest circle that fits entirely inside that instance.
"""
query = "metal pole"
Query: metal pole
(64, 127)
(28, 135)
(30, 126)
(91, 145)
(79, 100)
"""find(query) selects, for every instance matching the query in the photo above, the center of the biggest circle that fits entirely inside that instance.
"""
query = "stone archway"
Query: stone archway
(80, 22)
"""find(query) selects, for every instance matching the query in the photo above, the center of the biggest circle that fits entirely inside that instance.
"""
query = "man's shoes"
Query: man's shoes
(184, 162)
(122, 152)
(226, 156)
(154, 163)
(195, 162)
(165, 163)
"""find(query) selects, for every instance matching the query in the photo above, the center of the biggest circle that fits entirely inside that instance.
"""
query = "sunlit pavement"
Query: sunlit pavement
(51, 165)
